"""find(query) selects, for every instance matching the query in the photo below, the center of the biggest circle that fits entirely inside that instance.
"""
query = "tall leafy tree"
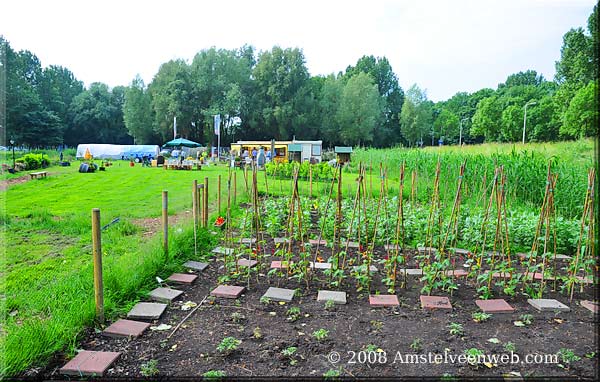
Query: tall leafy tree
(581, 118)
(138, 114)
(331, 94)
(416, 116)
(279, 75)
(388, 133)
(359, 110)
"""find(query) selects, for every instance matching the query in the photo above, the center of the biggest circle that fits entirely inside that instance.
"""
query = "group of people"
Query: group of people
(260, 156)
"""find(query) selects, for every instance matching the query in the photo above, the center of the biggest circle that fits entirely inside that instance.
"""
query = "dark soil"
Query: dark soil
(192, 350)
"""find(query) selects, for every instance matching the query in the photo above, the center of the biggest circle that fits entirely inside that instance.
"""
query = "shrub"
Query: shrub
(34, 161)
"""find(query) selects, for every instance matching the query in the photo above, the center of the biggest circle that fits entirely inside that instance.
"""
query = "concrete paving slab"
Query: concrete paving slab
(318, 265)
(223, 251)
(279, 264)
(195, 265)
(372, 268)
(548, 304)
(281, 240)
(147, 311)
(315, 242)
(165, 295)
(590, 305)
(279, 294)
(330, 295)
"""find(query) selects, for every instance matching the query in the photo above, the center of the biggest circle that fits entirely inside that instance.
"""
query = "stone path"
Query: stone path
(95, 363)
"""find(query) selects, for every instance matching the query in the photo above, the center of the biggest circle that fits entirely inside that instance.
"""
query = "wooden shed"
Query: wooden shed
(343, 154)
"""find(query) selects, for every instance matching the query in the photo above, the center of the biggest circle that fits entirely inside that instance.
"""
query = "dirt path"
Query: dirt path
(9, 182)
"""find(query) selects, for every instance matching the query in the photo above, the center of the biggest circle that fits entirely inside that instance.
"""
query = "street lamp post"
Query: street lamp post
(525, 117)
(460, 136)
(12, 143)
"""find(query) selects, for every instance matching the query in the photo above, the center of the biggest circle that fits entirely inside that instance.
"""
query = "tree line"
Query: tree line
(274, 96)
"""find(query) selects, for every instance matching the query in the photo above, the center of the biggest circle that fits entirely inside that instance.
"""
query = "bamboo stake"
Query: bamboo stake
(165, 223)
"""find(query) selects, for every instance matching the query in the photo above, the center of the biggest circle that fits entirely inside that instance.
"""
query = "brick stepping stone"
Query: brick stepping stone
(247, 263)
(281, 240)
(165, 295)
(126, 328)
(548, 304)
(90, 363)
(435, 302)
(315, 242)
(372, 268)
(430, 250)
(196, 265)
(279, 294)
(412, 271)
(320, 265)
(590, 305)
(247, 241)
(182, 278)
(279, 264)
(494, 306)
(227, 291)
(222, 251)
(330, 295)
(500, 275)
(147, 311)
(457, 273)
(376, 300)
(353, 244)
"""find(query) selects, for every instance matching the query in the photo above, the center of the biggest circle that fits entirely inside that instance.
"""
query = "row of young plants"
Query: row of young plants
(434, 227)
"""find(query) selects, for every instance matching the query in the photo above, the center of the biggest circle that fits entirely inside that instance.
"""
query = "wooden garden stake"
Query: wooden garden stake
(97, 253)
(165, 222)
(195, 214)
(234, 188)
(310, 193)
(205, 202)
(219, 194)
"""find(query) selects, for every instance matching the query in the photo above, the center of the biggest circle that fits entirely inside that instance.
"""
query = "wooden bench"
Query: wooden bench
(41, 174)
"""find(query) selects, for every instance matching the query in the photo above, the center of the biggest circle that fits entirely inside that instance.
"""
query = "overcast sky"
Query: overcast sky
(443, 46)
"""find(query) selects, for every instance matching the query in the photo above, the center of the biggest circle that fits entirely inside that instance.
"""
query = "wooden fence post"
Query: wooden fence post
(97, 254)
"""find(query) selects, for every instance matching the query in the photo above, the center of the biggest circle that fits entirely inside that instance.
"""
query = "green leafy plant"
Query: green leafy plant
(265, 300)
(257, 333)
(455, 329)
(510, 347)
(567, 356)
(480, 316)
(473, 355)
(293, 313)
(149, 368)
(329, 304)
(331, 374)
(376, 325)
(370, 348)
(289, 351)
(213, 375)
(321, 334)
(228, 345)
(527, 319)
(416, 345)
(237, 317)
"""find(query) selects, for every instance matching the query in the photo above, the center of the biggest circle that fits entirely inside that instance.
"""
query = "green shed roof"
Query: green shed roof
(343, 150)
(295, 147)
